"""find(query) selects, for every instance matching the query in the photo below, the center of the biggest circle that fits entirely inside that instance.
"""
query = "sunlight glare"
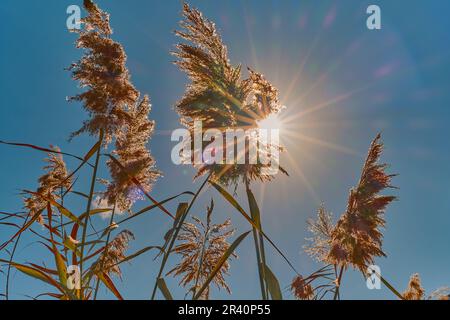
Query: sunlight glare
(272, 122)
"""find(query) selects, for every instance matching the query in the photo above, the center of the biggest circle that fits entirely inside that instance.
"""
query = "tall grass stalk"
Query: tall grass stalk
(108, 237)
(88, 208)
(13, 252)
(259, 264)
(338, 283)
(174, 236)
(220, 263)
(257, 238)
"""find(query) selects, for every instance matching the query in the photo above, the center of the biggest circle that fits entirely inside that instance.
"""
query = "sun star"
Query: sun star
(272, 122)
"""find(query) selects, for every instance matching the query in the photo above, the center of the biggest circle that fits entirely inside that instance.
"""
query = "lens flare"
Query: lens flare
(272, 122)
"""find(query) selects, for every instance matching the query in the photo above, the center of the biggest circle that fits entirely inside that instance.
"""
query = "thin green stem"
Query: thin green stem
(175, 236)
(13, 252)
(88, 208)
(108, 237)
(260, 256)
(61, 218)
(258, 261)
(263, 260)
(338, 283)
(385, 282)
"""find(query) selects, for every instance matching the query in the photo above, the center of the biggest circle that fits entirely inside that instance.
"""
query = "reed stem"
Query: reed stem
(259, 248)
(97, 285)
(88, 208)
(174, 237)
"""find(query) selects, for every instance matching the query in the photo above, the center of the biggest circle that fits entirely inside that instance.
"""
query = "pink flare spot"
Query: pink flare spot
(353, 47)
(303, 21)
(135, 194)
(329, 18)
(384, 70)
(225, 21)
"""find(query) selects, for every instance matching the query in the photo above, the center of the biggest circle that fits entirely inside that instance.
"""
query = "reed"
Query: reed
(221, 97)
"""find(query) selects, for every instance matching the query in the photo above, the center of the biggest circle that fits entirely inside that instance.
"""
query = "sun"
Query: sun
(272, 122)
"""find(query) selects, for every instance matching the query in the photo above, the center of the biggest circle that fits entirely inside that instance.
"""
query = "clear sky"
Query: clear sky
(342, 83)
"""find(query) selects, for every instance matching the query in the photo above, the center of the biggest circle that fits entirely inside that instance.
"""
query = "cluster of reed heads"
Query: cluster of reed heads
(119, 121)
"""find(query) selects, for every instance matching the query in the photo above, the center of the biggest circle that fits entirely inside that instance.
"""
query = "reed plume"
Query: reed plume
(51, 184)
(218, 97)
(103, 72)
(113, 254)
(415, 291)
(114, 106)
(202, 245)
(356, 239)
(440, 294)
(301, 289)
(135, 158)
(116, 113)
(322, 229)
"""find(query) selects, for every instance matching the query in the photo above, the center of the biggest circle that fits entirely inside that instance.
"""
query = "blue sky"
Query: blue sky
(345, 83)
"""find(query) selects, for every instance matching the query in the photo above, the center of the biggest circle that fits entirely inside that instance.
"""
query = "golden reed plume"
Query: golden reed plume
(218, 97)
(356, 239)
(51, 185)
(202, 245)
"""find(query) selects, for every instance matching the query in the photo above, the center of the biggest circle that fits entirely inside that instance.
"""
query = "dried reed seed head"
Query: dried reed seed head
(97, 19)
(211, 240)
(264, 96)
(322, 228)
(356, 239)
(103, 72)
(414, 290)
(440, 294)
(50, 184)
(113, 254)
(114, 106)
(57, 175)
(134, 157)
(301, 289)
(35, 205)
(218, 97)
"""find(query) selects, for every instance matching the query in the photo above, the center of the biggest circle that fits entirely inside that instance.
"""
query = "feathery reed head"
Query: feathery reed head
(301, 289)
(218, 97)
(356, 239)
(414, 290)
(321, 229)
(103, 72)
(440, 294)
(135, 158)
(50, 184)
(113, 254)
(202, 245)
